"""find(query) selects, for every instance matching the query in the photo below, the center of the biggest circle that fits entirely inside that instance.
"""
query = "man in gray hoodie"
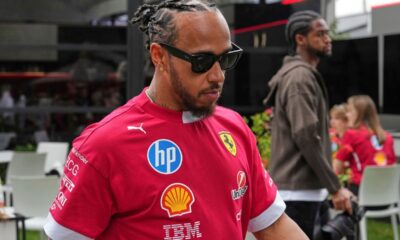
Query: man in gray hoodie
(300, 161)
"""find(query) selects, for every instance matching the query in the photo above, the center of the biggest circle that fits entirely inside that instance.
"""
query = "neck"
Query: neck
(151, 93)
(310, 59)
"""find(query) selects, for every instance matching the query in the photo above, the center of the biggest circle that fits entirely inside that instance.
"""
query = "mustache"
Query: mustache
(212, 87)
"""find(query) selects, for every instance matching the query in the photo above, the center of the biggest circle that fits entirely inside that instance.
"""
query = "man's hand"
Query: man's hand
(342, 200)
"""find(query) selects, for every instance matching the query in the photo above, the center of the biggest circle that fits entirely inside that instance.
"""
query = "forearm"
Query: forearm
(283, 229)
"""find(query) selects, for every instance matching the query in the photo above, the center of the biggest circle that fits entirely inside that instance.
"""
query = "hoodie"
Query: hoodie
(300, 150)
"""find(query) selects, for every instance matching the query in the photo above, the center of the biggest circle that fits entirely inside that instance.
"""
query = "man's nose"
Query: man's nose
(328, 38)
(216, 74)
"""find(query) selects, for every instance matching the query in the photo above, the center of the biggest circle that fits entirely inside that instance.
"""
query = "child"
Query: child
(339, 124)
(365, 142)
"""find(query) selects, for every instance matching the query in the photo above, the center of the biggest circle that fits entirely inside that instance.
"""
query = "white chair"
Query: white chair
(5, 138)
(397, 147)
(6, 156)
(41, 136)
(379, 187)
(26, 164)
(56, 154)
(33, 197)
(23, 164)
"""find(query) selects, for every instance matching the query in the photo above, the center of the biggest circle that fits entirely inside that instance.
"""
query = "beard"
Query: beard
(317, 52)
(189, 101)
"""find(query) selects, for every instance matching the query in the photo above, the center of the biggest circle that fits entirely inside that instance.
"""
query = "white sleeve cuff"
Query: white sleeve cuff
(59, 232)
(269, 216)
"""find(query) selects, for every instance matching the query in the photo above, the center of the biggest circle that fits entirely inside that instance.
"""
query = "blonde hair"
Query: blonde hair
(367, 113)
(339, 111)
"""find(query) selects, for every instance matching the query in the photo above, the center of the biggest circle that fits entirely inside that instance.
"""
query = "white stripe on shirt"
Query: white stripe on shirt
(269, 216)
(58, 232)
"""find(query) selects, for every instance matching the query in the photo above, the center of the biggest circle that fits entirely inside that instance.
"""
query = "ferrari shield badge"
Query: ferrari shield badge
(228, 142)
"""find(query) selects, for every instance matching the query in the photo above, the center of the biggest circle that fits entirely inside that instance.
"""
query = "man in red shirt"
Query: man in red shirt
(170, 163)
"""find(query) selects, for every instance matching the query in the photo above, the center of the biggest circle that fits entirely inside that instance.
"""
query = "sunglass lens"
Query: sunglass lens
(229, 60)
(202, 63)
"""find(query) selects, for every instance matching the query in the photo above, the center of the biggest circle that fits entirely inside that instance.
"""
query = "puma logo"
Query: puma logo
(140, 128)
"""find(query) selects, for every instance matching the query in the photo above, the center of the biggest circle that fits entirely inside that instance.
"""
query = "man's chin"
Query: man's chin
(324, 54)
(328, 54)
(203, 111)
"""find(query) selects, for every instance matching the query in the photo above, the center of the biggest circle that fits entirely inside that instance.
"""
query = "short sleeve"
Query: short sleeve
(267, 204)
(84, 202)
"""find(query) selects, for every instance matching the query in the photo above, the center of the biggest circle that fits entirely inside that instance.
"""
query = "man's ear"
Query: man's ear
(158, 55)
(300, 39)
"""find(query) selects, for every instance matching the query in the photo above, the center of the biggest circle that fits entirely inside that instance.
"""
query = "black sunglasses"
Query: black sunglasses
(202, 62)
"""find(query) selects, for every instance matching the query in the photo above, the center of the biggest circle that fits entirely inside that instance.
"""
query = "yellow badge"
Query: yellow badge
(380, 158)
(177, 199)
(228, 141)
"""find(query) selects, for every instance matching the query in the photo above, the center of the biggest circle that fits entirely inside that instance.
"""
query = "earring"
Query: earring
(161, 68)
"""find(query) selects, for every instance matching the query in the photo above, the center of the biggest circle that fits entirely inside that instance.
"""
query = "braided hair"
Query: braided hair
(299, 23)
(155, 18)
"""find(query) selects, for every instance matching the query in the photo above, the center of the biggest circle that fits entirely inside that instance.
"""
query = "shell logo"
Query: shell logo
(177, 200)
(380, 158)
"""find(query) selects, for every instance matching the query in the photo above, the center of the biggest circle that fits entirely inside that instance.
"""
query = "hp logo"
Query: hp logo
(164, 156)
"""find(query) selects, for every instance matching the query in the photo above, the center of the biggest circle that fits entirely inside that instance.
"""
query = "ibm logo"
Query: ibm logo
(164, 156)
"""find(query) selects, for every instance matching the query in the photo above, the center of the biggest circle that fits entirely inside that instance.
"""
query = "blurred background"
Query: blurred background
(67, 63)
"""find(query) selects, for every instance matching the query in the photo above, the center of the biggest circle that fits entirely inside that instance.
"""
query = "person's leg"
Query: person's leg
(323, 215)
(304, 214)
(322, 218)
